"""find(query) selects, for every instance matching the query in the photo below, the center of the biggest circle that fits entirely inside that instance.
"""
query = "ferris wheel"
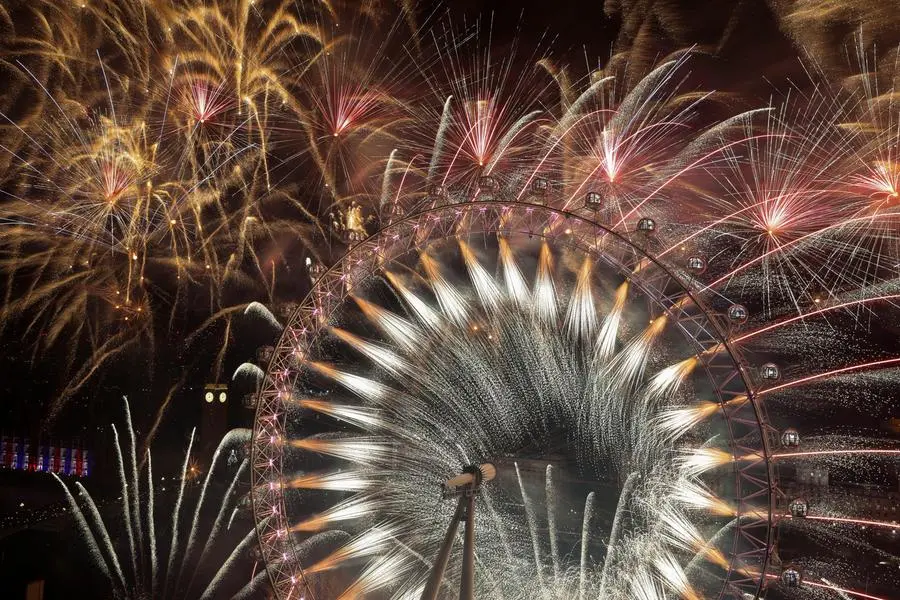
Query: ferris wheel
(628, 454)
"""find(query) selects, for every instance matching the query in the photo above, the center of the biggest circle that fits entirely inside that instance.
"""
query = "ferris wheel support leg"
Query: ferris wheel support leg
(440, 564)
(467, 584)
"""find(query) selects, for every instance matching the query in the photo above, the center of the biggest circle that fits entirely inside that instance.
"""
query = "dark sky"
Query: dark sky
(747, 53)
(580, 34)
(576, 33)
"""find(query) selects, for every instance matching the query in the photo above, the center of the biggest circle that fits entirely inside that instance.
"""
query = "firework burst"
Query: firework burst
(453, 336)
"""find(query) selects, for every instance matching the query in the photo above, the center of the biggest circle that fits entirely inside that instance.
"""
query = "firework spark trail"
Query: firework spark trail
(682, 533)
(484, 284)
(423, 312)
(227, 566)
(507, 140)
(646, 587)
(666, 382)
(699, 461)
(366, 419)
(351, 509)
(512, 276)
(126, 503)
(532, 528)
(581, 318)
(346, 481)
(440, 139)
(400, 331)
(631, 361)
(452, 304)
(674, 575)
(257, 310)
(550, 495)
(233, 437)
(624, 496)
(607, 339)
(359, 450)
(544, 292)
(865, 522)
(176, 513)
(585, 542)
(380, 355)
(100, 527)
(678, 421)
(151, 526)
(378, 574)
(217, 524)
(853, 593)
(373, 541)
(362, 387)
(848, 451)
(250, 371)
(93, 547)
(713, 541)
(695, 496)
(135, 481)
(386, 188)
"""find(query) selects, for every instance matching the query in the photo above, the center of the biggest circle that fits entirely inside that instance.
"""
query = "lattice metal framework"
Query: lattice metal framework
(750, 436)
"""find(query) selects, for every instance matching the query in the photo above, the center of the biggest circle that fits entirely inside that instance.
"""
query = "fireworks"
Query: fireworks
(624, 300)
(609, 287)
(140, 185)
(136, 566)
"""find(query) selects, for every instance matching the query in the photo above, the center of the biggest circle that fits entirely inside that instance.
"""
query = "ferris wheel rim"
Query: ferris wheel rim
(278, 551)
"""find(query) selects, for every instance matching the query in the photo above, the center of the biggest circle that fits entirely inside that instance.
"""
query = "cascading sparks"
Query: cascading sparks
(477, 371)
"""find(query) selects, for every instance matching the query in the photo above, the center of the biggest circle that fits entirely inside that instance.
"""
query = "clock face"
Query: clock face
(209, 396)
(222, 397)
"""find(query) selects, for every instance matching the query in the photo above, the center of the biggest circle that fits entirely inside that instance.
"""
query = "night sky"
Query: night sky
(582, 35)
(743, 49)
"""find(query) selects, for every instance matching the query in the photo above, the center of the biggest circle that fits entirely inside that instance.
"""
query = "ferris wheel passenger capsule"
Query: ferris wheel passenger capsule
(540, 185)
(790, 438)
(646, 225)
(593, 200)
(696, 264)
(315, 268)
(769, 371)
(791, 577)
(798, 508)
(737, 313)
